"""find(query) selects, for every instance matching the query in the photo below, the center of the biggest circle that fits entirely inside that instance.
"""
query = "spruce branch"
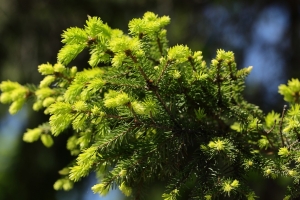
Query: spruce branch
(60, 75)
(159, 45)
(167, 109)
(266, 133)
(219, 80)
(163, 71)
(156, 62)
(134, 59)
(190, 59)
(232, 76)
(281, 123)
(144, 112)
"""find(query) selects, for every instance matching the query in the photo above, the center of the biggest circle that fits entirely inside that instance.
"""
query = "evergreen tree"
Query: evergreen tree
(144, 112)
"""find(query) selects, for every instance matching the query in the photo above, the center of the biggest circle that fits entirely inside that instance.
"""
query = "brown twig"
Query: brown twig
(219, 79)
(159, 46)
(163, 71)
(266, 133)
(133, 58)
(190, 59)
(280, 126)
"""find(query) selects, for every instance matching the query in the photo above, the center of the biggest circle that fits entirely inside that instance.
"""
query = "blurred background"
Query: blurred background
(262, 33)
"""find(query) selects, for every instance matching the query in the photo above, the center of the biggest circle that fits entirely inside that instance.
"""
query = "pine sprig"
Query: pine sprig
(144, 112)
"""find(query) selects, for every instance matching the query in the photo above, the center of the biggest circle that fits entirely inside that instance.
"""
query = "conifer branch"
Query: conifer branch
(107, 142)
(60, 75)
(267, 134)
(124, 85)
(166, 109)
(190, 59)
(163, 71)
(156, 62)
(139, 116)
(159, 46)
(116, 117)
(281, 122)
(134, 59)
(298, 135)
(232, 76)
(219, 80)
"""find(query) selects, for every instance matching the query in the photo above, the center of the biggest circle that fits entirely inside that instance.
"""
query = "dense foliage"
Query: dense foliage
(145, 112)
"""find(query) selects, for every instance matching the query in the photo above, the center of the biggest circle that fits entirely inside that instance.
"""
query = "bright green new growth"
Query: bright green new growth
(146, 112)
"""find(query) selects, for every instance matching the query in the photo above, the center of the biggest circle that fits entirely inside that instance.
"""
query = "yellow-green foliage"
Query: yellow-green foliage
(291, 91)
(144, 112)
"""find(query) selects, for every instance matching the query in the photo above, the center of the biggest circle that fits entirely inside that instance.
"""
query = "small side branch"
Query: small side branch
(266, 133)
(190, 59)
(159, 46)
(298, 135)
(219, 83)
(163, 71)
(60, 75)
(280, 126)
(133, 58)
(136, 119)
(232, 76)
(166, 109)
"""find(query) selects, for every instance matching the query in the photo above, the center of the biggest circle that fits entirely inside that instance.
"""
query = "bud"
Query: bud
(235, 183)
(16, 106)
(227, 187)
(292, 172)
(67, 185)
(283, 152)
(7, 86)
(47, 140)
(211, 144)
(48, 101)
(125, 189)
(288, 197)
(42, 93)
(176, 74)
(5, 97)
(214, 62)
(73, 71)
(218, 145)
(60, 98)
(64, 171)
(123, 173)
(18, 93)
(58, 67)
(47, 81)
(37, 105)
(249, 69)
(251, 196)
(45, 69)
(58, 184)
(101, 188)
(32, 135)
(80, 106)
(250, 162)
(138, 107)
(268, 171)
